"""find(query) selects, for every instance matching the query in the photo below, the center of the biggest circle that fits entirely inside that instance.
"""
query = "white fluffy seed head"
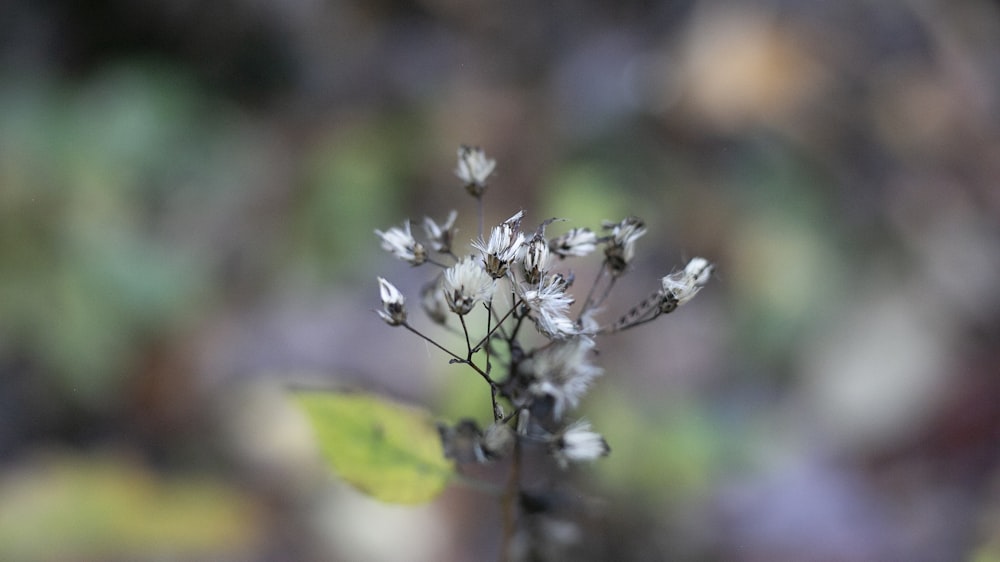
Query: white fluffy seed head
(578, 443)
(682, 286)
(465, 284)
(503, 246)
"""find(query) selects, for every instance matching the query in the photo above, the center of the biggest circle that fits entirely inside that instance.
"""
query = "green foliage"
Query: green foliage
(384, 449)
(585, 195)
(106, 509)
(352, 180)
(667, 451)
(105, 189)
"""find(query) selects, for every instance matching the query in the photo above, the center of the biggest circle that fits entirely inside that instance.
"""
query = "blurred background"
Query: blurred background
(188, 193)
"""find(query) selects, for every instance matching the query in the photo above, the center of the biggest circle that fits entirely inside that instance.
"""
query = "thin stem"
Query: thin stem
(498, 326)
(590, 294)
(432, 342)
(510, 500)
(607, 291)
(647, 309)
(455, 358)
(499, 321)
(465, 330)
(497, 414)
(622, 327)
(517, 328)
(489, 316)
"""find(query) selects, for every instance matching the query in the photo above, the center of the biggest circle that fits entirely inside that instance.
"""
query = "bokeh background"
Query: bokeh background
(188, 193)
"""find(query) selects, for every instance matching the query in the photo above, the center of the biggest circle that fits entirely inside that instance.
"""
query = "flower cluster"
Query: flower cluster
(534, 351)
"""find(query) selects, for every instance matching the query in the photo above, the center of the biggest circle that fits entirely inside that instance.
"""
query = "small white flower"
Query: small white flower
(433, 302)
(620, 247)
(441, 236)
(589, 324)
(497, 440)
(549, 305)
(536, 260)
(502, 248)
(681, 286)
(576, 242)
(578, 443)
(401, 243)
(465, 284)
(474, 168)
(393, 304)
(563, 371)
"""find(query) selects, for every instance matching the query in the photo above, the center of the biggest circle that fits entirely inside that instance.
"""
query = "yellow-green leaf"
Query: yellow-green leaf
(384, 449)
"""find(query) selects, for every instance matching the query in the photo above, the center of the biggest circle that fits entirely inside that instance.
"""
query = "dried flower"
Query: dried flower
(578, 443)
(465, 284)
(576, 242)
(549, 307)
(536, 378)
(401, 243)
(502, 248)
(393, 304)
(497, 440)
(473, 168)
(536, 259)
(433, 302)
(562, 371)
(465, 442)
(681, 286)
(462, 442)
(441, 236)
(620, 247)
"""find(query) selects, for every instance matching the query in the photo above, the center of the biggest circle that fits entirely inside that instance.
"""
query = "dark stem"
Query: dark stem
(498, 326)
(587, 304)
(432, 342)
(468, 344)
(510, 501)
(621, 327)
(489, 316)
(455, 358)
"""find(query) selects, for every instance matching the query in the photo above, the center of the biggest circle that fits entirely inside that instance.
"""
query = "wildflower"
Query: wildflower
(621, 242)
(497, 440)
(501, 250)
(549, 307)
(562, 371)
(465, 284)
(536, 259)
(393, 304)
(576, 242)
(578, 443)
(681, 286)
(588, 323)
(463, 442)
(473, 168)
(433, 302)
(401, 243)
(441, 236)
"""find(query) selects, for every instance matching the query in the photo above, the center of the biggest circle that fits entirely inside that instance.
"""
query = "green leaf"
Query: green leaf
(384, 449)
